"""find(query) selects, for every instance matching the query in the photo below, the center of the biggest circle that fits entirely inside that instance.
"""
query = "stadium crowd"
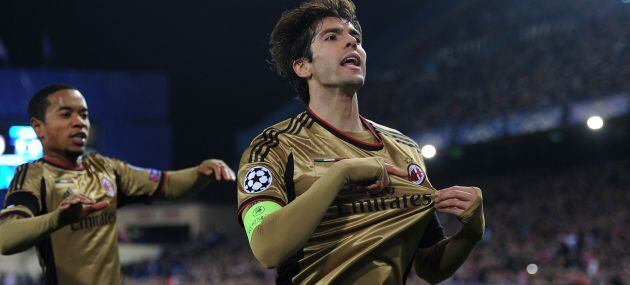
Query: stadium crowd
(526, 54)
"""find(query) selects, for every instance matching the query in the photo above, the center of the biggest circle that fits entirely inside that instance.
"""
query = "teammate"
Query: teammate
(65, 203)
(322, 196)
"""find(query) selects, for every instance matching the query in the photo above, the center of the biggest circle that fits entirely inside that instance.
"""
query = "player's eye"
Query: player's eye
(65, 114)
(84, 115)
(330, 37)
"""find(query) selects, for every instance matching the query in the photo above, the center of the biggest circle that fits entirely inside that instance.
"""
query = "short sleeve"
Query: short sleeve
(136, 184)
(23, 197)
(261, 176)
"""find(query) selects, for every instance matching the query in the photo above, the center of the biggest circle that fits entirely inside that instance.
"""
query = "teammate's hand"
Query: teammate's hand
(457, 200)
(380, 184)
(78, 206)
(217, 167)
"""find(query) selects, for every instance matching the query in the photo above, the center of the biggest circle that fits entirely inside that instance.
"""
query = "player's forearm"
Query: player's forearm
(183, 183)
(284, 232)
(440, 261)
(17, 235)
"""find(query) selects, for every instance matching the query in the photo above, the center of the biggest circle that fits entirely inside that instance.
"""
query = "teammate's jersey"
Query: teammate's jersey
(363, 238)
(85, 252)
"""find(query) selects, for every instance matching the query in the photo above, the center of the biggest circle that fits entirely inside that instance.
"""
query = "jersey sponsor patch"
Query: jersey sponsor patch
(415, 174)
(109, 187)
(257, 180)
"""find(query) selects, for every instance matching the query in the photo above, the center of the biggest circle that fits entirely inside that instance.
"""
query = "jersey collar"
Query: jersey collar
(346, 137)
(61, 164)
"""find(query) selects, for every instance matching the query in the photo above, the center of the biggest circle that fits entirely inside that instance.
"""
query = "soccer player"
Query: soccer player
(65, 203)
(329, 197)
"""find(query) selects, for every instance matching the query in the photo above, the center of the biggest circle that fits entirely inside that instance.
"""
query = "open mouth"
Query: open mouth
(79, 138)
(351, 60)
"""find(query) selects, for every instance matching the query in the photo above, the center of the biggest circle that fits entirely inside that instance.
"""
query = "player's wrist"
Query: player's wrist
(359, 170)
(473, 226)
(64, 217)
(56, 220)
(339, 172)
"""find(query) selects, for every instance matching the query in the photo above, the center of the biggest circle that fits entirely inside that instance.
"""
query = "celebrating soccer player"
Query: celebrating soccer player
(329, 197)
(65, 203)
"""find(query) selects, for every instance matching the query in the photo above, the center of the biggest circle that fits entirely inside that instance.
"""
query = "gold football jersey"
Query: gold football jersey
(85, 252)
(363, 238)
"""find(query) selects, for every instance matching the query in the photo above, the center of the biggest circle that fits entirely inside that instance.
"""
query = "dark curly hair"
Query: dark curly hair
(291, 38)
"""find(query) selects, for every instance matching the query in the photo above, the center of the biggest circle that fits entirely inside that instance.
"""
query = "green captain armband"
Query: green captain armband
(255, 214)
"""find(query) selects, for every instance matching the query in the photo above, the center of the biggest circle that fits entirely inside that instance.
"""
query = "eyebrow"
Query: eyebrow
(329, 30)
(352, 32)
(66, 108)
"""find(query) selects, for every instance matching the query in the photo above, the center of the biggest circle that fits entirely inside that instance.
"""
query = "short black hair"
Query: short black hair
(39, 102)
(292, 36)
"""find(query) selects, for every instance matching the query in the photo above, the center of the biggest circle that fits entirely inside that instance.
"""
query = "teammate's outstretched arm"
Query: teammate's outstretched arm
(186, 182)
(19, 233)
(440, 261)
(283, 231)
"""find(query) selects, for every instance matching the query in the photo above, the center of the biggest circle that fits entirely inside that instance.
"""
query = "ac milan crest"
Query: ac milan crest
(415, 174)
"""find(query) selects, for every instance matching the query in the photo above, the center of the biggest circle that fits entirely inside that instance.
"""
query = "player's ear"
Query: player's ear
(37, 126)
(302, 67)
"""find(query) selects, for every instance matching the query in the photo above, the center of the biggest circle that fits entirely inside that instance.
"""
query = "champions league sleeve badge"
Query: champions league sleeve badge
(415, 174)
(257, 180)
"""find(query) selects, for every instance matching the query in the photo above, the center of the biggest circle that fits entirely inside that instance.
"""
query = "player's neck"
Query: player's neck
(63, 160)
(339, 110)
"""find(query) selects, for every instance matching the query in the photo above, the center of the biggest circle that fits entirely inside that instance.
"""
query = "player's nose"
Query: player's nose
(351, 42)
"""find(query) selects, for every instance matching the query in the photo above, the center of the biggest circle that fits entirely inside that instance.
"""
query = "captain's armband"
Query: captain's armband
(256, 213)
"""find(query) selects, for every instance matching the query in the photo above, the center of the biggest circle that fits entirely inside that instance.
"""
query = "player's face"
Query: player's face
(67, 125)
(339, 59)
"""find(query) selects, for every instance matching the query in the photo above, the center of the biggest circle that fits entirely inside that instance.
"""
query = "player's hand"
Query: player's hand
(458, 200)
(467, 204)
(379, 185)
(218, 168)
(78, 206)
(368, 173)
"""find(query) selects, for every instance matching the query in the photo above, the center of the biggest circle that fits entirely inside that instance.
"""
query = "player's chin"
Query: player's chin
(76, 150)
(356, 81)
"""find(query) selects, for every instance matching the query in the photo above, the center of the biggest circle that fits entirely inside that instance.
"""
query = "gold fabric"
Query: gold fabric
(363, 238)
(85, 252)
